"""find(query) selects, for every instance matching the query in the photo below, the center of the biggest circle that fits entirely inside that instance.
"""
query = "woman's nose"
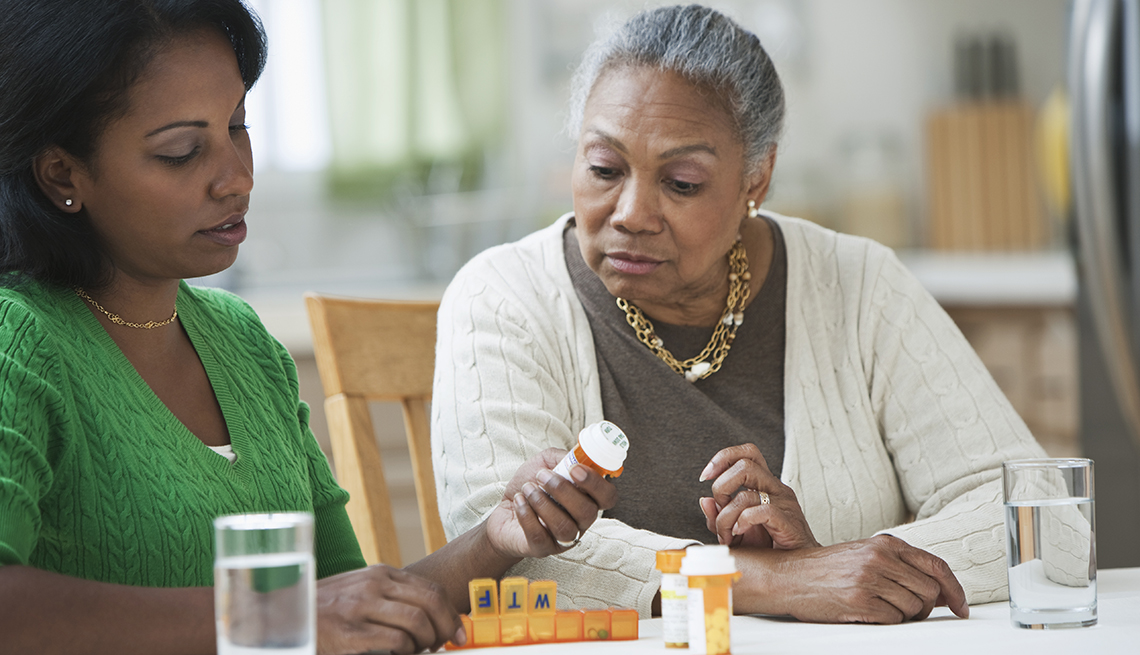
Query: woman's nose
(235, 174)
(637, 209)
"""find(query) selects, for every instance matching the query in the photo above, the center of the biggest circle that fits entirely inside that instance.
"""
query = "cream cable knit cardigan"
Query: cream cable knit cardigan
(888, 410)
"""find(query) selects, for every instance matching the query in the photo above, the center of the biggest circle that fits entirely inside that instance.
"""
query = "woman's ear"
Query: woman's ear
(55, 172)
(759, 181)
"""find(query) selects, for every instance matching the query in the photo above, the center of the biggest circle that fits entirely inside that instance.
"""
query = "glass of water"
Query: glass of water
(1050, 533)
(265, 584)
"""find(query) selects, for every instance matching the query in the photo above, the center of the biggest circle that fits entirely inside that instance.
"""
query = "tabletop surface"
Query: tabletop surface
(988, 630)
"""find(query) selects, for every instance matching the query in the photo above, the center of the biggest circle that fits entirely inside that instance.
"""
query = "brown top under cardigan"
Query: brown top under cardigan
(674, 426)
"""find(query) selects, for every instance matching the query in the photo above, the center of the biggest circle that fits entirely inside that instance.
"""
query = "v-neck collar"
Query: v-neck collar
(184, 439)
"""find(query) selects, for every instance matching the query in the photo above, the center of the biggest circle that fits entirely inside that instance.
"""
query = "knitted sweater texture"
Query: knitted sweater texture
(99, 480)
(888, 411)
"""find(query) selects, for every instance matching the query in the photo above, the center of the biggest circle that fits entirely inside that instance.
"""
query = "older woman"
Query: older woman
(134, 409)
(805, 373)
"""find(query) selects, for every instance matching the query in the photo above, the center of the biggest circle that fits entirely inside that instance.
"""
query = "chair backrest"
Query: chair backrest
(377, 350)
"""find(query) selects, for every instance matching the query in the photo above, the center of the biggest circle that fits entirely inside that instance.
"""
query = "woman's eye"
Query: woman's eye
(684, 188)
(179, 160)
(240, 127)
(604, 172)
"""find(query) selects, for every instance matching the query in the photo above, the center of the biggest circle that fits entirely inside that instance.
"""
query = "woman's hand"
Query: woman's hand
(736, 513)
(380, 608)
(540, 508)
(878, 580)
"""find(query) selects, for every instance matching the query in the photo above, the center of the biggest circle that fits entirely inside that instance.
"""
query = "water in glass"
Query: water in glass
(267, 604)
(1052, 562)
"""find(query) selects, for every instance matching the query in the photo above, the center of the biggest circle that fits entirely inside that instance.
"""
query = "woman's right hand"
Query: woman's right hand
(878, 580)
(541, 508)
(380, 608)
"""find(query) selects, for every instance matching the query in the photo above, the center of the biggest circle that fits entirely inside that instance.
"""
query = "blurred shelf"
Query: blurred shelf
(1037, 279)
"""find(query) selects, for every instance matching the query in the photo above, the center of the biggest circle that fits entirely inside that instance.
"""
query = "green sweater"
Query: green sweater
(99, 480)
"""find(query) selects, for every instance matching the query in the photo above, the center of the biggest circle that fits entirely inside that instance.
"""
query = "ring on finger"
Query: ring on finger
(764, 499)
(570, 544)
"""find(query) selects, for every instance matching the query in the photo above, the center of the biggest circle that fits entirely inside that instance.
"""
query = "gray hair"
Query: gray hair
(704, 47)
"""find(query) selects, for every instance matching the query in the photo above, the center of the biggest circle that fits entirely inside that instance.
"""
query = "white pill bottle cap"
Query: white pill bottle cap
(606, 444)
(708, 560)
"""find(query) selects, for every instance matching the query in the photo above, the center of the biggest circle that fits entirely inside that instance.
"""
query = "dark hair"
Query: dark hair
(66, 67)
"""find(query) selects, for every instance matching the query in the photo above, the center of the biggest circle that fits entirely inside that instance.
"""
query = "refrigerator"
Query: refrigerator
(1104, 97)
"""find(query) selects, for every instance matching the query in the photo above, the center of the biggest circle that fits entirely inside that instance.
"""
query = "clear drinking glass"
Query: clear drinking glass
(1050, 531)
(265, 584)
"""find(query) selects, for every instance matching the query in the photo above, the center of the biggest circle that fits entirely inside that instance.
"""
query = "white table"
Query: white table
(988, 630)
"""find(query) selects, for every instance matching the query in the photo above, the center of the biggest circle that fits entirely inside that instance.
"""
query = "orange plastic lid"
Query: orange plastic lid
(669, 561)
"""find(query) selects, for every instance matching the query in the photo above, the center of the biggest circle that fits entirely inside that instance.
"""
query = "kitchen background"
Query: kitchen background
(394, 139)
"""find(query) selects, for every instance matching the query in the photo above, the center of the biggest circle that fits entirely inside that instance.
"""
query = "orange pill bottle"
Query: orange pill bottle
(674, 599)
(601, 447)
(711, 570)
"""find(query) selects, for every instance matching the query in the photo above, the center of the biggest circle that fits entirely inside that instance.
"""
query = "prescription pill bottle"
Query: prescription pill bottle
(601, 446)
(711, 571)
(674, 599)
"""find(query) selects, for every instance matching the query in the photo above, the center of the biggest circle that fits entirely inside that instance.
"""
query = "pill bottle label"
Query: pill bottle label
(709, 620)
(568, 462)
(675, 610)
(698, 642)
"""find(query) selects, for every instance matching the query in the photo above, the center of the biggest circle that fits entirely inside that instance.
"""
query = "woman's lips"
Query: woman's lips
(230, 233)
(632, 264)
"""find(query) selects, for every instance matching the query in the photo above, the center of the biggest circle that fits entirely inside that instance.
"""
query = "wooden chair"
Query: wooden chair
(369, 350)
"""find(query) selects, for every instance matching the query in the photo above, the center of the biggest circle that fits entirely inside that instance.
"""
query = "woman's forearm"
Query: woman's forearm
(46, 613)
(461, 560)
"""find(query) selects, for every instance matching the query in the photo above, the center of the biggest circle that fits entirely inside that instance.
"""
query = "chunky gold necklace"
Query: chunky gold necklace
(118, 320)
(711, 358)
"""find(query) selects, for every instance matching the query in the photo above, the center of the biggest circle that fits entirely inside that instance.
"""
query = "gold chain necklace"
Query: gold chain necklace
(700, 367)
(118, 320)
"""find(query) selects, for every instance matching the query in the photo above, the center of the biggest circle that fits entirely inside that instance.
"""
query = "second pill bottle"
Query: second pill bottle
(711, 571)
(674, 599)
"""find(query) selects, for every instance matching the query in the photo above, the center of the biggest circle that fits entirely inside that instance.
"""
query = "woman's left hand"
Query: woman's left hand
(541, 512)
(737, 512)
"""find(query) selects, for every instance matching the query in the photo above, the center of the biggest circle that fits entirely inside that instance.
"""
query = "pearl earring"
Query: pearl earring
(68, 202)
(753, 212)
